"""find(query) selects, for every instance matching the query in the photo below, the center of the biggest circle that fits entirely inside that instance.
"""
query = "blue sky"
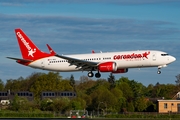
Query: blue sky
(79, 26)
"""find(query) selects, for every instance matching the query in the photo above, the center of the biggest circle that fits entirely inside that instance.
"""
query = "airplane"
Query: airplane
(114, 62)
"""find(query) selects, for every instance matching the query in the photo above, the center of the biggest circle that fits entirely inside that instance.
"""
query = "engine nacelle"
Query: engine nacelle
(125, 70)
(107, 67)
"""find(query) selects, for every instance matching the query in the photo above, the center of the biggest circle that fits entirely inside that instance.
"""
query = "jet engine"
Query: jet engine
(107, 67)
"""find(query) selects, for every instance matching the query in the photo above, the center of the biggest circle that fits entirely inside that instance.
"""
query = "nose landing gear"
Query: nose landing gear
(159, 71)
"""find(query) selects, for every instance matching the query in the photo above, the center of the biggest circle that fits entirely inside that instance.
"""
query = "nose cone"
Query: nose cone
(172, 59)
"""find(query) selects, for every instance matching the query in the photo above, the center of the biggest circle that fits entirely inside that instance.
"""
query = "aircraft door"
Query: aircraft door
(43, 63)
(154, 56)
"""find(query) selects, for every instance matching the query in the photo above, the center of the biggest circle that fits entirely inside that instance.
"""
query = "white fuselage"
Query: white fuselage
(126, 59)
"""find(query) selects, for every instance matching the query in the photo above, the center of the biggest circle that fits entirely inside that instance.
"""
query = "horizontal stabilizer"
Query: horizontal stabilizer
(23, 60)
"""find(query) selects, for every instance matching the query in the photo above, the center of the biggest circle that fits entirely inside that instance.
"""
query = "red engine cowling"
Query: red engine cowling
(107, 67)
(125, 70)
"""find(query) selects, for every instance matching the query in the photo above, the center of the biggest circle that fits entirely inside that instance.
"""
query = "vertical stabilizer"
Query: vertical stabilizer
(28, 49)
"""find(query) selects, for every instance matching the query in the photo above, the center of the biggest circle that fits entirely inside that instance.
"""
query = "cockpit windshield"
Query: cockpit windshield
(164, 54)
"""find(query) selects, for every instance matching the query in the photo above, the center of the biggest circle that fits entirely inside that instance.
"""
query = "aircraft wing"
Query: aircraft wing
(23, 60)
(81, 64)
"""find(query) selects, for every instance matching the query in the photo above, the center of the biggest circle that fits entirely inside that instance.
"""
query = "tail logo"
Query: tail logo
(30, 50)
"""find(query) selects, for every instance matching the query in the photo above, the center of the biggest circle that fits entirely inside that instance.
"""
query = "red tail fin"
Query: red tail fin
(28, 49)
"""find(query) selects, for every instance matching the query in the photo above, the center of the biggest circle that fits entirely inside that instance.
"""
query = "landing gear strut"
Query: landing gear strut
(159, 71)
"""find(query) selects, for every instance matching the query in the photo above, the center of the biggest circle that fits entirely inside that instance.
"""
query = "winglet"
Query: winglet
(51, 50)
(93, 51)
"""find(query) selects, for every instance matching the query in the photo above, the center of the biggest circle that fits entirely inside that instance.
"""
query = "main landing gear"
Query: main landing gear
(91, 74)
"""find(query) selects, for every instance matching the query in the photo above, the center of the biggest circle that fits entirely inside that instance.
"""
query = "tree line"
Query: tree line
(109, 95)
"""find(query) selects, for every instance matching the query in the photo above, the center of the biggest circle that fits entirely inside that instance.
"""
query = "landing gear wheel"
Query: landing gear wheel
(98, 75)
(158, 72)
(90, 74)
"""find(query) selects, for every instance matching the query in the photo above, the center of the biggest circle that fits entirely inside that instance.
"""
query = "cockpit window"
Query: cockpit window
(164, 54)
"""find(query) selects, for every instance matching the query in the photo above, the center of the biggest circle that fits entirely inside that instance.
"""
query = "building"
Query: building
(167, 106)
(56, 94)
(177, 96)
(4, 95)
(8, 95)
(26, 94)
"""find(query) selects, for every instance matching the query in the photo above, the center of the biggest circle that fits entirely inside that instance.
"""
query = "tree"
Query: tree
(121, 106)
(148, 90)
(102, 94)
(14, 104)
(130, 107)
(86, 86)
(140, 104)
(151, 107)
(111, 80)
(84, 79)
(61, 104)
(49, 82)
(46, 105)
(32, 78)
(1, 85)
(78, 104)
(15, 85)
(72, 82)
(124, 86)
(137, 88)
(177, 79)
(20, 104)
(117, 92)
